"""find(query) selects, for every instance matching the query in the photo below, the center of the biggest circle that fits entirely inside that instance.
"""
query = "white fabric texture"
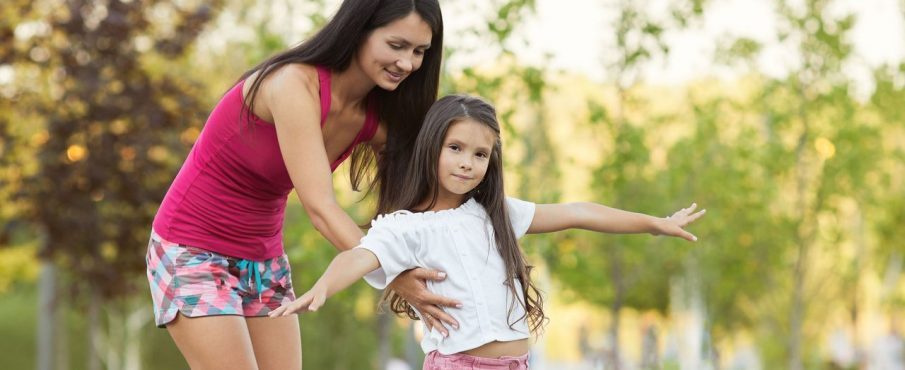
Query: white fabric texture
(459, 242)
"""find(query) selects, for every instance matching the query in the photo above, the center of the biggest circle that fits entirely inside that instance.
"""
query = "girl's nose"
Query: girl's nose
(465, 164)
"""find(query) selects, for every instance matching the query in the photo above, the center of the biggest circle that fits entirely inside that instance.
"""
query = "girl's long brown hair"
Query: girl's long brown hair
(402, 110)
(420, 182)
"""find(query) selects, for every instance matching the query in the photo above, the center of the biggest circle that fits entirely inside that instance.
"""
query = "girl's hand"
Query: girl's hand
(310, 301)
(673, 225)
(412, 286)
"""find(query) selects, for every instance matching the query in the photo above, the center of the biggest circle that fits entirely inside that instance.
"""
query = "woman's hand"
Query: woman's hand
(310, 301)
(674, 225)
(412, 286)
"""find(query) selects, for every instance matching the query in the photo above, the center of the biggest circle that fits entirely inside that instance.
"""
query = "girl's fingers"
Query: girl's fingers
(275, 312)
(687, 211)
(293, 308)
(688, 236)
(317, 303)
(696, 216)
(692, 207)
(681, 233)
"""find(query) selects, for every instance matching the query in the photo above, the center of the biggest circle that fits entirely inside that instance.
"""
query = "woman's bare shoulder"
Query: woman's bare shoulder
(292, 76)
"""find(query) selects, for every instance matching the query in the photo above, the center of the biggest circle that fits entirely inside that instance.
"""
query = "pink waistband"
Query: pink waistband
(437, 360)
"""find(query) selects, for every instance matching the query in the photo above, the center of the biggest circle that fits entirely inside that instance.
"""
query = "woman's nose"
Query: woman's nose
(405, 64)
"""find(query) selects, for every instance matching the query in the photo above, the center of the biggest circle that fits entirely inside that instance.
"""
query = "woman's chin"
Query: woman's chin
(389, 85)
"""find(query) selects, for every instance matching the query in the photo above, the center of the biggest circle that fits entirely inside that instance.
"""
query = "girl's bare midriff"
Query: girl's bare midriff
(499, 349)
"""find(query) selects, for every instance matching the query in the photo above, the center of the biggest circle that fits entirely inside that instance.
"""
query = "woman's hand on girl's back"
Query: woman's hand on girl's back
(412, 286)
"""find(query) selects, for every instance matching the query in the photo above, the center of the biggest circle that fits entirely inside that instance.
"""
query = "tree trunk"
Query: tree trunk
(94, 335)
(860, 246)
(134, 325)
(47, 317)
(650, 359)
(62, 340)
(413, 353)
(616, 307)
(384, 324)
(797, 313)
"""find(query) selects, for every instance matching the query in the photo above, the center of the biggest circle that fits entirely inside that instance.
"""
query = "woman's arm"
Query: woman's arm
(291, 94)
(600, 218)
(347, 268)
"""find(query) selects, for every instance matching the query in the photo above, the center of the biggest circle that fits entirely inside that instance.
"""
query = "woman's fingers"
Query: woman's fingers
(432, 313)
(437, 319)
(437, 313)
(438, 300)
(428, 274)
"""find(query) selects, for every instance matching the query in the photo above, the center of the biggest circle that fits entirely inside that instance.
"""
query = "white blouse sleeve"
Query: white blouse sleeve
(394, 243)
(521, 213)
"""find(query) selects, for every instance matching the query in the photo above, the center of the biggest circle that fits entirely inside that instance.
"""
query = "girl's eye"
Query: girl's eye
(482, 155)
(454, 147)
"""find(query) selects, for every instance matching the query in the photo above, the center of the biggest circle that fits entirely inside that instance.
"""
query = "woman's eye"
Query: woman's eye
(396, 46)
(419, 52)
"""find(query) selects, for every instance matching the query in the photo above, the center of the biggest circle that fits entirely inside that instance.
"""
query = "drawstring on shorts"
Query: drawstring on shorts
(255, 275)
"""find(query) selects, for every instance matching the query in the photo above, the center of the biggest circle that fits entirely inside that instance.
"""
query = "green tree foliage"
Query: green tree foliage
(626, 271)
(113, 121)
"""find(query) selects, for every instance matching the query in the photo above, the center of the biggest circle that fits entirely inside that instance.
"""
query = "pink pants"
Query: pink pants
(459, 361)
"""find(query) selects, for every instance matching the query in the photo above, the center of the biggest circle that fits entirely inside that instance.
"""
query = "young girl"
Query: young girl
(456, 218)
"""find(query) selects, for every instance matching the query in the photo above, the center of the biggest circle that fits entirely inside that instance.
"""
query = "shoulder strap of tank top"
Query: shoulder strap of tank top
(323, 77)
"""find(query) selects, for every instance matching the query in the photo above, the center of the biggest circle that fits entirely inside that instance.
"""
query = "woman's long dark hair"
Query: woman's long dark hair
(402, 110)
(420, 183)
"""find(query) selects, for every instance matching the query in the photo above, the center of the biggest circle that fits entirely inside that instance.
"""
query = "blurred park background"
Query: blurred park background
(784, 118)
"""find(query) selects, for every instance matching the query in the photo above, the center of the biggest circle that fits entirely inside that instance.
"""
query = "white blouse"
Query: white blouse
(459, 242)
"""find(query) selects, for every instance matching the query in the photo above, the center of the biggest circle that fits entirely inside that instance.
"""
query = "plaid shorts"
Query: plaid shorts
(460, 361)
(197, 282)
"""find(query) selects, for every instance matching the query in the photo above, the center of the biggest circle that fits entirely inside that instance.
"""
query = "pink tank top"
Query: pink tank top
(230, 194)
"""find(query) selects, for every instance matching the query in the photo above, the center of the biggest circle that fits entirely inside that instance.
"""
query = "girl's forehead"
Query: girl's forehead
(469, 129)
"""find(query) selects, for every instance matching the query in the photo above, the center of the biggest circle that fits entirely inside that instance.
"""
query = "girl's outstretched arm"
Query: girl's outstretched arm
(597, 217)
(345, 269)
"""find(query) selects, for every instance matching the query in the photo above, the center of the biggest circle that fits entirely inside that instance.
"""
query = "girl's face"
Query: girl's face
(393, 52)
(464, 158)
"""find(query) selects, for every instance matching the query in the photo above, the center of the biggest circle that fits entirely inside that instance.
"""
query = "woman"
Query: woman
(216, 264)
